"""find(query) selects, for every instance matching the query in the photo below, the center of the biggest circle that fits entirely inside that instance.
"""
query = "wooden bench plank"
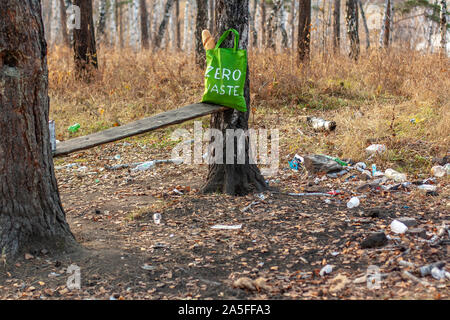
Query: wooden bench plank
(161, 120)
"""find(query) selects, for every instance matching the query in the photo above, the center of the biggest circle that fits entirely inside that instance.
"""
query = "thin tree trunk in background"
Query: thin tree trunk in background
(352, 28)
(293, 10)
(282, 24)
(101, 23)
(47, 17)
(366, 28)
(386, 24)
(63, 14)
(272, 26)
(162, 27)
(252, 17)
(144, 24)
(443, 27)
(32, 217)
(186, 24)
(112, 12)
(430, 27)
(177, 25)
(200, 25)
(55, 23)
(85, 52)
(233, 178)
(263, 24)
(133, 24)
(120, 14)
(304, 30)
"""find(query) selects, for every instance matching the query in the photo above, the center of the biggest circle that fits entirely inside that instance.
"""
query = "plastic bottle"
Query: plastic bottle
(427, 187)
(426, 270)
(437, 273)
(376, 148)
(157, 218)
(145, 166)
(320, 124)
(325, 270)
(438, 171)
(447, 168)
(394, 175)
(353, 202)
(74, 128)
(398, 227)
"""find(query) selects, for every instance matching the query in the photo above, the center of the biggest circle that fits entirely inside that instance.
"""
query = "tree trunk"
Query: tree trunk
(101, 24)
(430, 27)
(162, 27)
(65, 35)
(200, 25)
(366, 28)
(31, 214)
(337, 26)
(272, 26)
(252, 16)
(293, 10)
(234, 178)
(263, 24)
(443, 26)
(144, 25)
(352, 28)
(133, 25)
(55, 23)
(85, 52)
(304, 30)
(385, 26)
(177, 25)
(282, 24)
(211, 16)
(119, 7)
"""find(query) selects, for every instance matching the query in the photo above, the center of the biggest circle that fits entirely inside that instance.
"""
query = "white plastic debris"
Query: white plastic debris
(394, 175)
(376, 148)
(225, 227)
(398, 227)
(427, 187)
(437, 273)
(353, 202)
(326, 270)
(157, 218)
(438, 171)
(145, 166)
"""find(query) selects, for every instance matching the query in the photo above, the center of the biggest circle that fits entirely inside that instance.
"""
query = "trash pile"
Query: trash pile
(324, 167)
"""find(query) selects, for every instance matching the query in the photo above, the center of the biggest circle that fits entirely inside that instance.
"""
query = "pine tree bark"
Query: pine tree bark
(337, 26)
(366, 28)
(144, 26)
(85, 51)
(304, 30)
(233, 179)
(385, 26)
(101, 24)
(200, 25)
(31, 214)
(352, 28)
(163, 26)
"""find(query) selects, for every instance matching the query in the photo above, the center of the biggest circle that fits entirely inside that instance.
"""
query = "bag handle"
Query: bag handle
(225, 34)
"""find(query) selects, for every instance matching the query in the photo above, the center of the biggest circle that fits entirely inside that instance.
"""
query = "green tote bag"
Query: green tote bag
(226, 69)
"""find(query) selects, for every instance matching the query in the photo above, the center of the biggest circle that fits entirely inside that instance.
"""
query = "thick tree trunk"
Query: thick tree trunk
(31, 214)
(337, 26)
(304, 30)
(352, 28)
(144, 25)
(133, 24)
(85, 52)
(282, 24)
(443, 26)
(385, 26)
(366, 28)
(200, 25)
(233, 179)
(162, 27)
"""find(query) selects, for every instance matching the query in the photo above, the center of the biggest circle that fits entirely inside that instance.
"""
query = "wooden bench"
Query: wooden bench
(160, 120)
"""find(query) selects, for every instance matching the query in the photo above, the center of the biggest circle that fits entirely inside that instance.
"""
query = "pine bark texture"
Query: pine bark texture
(144, 24)
(304, 30)
(200, 25)
(85, 51)
(352, 28)
(385, 26)
(233, 179)
(366, 27)
(31, 214)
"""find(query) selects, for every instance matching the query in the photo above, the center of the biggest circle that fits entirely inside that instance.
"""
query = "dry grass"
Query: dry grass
(371, 100)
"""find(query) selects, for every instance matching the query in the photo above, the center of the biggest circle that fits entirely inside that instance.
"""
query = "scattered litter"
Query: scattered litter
(74, 128)
(376, 148)
(117, 157)
(296, 162)
(148, 267)
(309, 194)
(398, 227)
(426, 270)
(177, 191)
(53, 275)
(320, 163)
(319, 124)
(157, 218)
(438, 171)
(427, 187)
(225, 227)
(437, 273)
(409, 276)
(326, 270)
(394, 175)
(353, 202)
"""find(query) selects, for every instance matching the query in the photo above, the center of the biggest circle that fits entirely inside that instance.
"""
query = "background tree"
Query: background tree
(31, 214)
(65, 35)
(352, 28)
(144, 26)
(366, 28)
(304, 30)
(263, 23)
(200, 25)
(443, 26)
(233, 179)
(386, 25)
(85, 52)
(337, 26)
(163, 26)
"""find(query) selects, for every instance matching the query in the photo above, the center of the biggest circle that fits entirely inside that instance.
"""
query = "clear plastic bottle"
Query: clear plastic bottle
(427, 187)
(157, 218)
(394, 175)
(145, 166)
(438, 171)
(353, 202)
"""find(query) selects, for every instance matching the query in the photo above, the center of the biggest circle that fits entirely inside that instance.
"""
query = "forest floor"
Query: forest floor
(283, 242)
